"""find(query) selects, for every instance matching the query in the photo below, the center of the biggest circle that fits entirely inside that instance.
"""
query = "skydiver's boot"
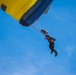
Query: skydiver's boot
(55, 52)
(51, 51)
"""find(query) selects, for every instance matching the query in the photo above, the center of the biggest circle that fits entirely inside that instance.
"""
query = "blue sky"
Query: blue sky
(24, 51)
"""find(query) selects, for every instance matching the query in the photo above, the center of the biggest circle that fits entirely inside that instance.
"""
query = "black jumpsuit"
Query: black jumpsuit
(51, 46)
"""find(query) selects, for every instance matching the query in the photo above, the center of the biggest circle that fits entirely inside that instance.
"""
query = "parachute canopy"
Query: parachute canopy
(25, 11)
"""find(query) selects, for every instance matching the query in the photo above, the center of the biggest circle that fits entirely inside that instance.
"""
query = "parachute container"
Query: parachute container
(25, 11)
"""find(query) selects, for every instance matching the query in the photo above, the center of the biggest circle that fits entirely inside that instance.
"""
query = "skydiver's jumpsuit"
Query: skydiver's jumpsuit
(50, 40)
(51, 45)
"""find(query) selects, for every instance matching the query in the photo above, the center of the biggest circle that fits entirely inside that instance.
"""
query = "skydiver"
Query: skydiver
(51, 44)
(50, 40)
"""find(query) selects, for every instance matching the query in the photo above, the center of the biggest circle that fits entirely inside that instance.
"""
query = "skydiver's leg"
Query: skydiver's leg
(55, 52)
(50, 48)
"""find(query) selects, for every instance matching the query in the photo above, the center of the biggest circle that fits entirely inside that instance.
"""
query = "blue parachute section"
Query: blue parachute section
(35, 12)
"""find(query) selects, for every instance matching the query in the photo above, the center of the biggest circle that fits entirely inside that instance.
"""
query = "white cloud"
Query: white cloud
(42, 66)
(70, 50)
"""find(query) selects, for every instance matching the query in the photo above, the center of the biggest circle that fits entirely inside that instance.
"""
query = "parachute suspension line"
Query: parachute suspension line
(35, 28)
(39, 25)
(39, 30)
(42, 31)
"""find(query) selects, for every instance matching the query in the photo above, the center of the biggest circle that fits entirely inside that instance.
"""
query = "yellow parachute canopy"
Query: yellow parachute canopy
(25, 11)
(16, 8)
